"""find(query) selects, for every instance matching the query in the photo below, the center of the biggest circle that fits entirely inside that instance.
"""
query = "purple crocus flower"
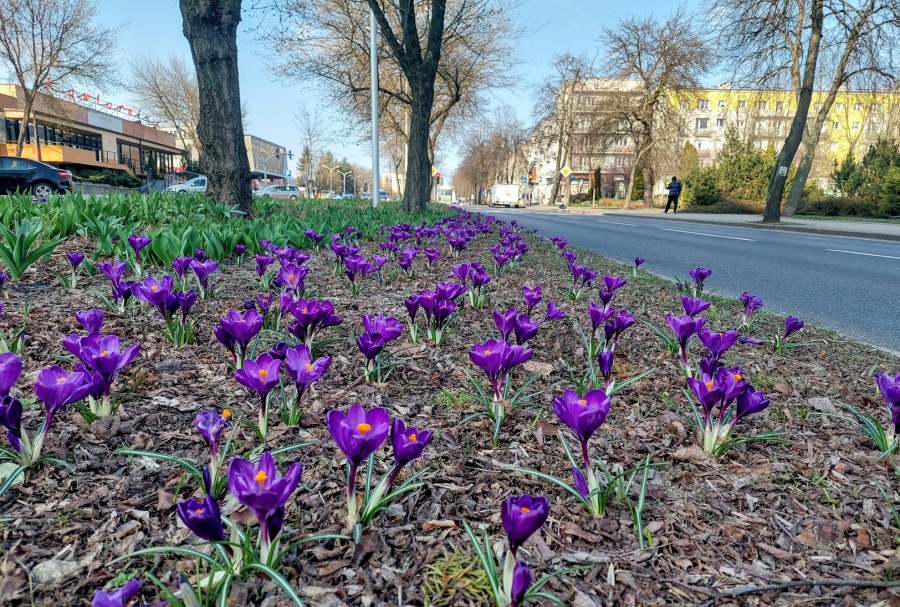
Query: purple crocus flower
(382, 327)
(532, 297)
(699, 275)
(613, 283)
(137, 242)
(707, 392)
(203, 518)
(890, 390)
(355, 265)
(105, 356)
(10, 370)
(583, 414)
(56, 389)
(432, 255)
(522, 517)
(154, 292)
(302, 369)
(750, 401)
(291, 277)
(180, 266)
(280, 349)
(580, 483)
(91, 320)
(752, 304)
(311, 317)
(605, 362)
(210, 424)
(238, 329)
(598, 315)
(693, 306)
(200, 254)
(203, 270)
(525, 329)
(261, 376)
(461, 272)
(264, 493)
(240, 249)
(717, 343)
(314, 236)
(497, 358)
(684, 328)
(113, 271)
(792, 324)
(11, 419)
(408, 445)
(412, 306)
(118, 597)
(521, 583)
(263, 262)
(638, 262)
(75, 258)
(505, 322)
(553, 313)
(359, 433)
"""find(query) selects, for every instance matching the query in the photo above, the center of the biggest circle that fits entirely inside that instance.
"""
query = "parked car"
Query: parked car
(24, 175)
(290, 192)
(382, 195)
(196, 185)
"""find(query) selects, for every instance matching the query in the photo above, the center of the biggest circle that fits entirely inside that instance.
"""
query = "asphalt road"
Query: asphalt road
(850, 285)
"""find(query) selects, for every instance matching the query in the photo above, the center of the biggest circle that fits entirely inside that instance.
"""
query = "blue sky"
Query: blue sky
(557, 26)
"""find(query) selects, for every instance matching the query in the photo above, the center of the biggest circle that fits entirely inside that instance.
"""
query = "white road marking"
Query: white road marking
(618, 223)
(858, 253)
(705, 234)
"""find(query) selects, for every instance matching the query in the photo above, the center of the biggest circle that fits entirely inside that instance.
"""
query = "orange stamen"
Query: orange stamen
(263, 373)
(261, 478)
(709, 385)
(226, 413)
(581, 401)
(412, 438)
(309, 367)
(525, 510)
(363, 427)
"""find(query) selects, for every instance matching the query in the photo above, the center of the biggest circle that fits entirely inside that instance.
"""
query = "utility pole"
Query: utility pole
(373, 68)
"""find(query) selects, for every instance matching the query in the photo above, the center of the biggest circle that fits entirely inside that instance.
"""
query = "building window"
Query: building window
(699, 145)
(720, 122)
(741, 124)
(684, 105)
(779, 126)
(835, 125)
(721, 103)
(620, 161)
(703, 104)
(619, 140)
(857, 107)
(877, 107)
(779, 106)
(855, 126)
(762, 105)
(701, 124)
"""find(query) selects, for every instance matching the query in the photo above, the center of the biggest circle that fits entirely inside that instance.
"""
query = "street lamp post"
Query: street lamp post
(344, 187)
(331, 176)
(373, 77)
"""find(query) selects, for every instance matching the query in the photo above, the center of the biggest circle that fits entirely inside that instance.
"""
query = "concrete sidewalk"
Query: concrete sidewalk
(834, 227)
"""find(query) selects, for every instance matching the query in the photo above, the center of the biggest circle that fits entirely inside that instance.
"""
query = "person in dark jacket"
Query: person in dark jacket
(674, 193)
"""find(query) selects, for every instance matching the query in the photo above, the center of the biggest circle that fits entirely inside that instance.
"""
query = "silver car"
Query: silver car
(290, 192)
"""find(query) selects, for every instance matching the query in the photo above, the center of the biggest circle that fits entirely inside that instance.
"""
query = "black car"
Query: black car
(24, 175)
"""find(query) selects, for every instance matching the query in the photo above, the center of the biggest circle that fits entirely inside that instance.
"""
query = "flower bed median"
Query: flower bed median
(451, 413)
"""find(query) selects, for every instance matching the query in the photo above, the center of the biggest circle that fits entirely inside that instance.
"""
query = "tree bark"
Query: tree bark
(807, 156)
(648, 186)
(27, 110)
(798, 125)
(210, 27)
(417, 192)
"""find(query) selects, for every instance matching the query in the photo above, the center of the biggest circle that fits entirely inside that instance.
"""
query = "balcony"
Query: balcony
(62, 154)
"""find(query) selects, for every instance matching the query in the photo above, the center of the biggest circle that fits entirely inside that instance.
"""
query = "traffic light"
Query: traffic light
(437, 178)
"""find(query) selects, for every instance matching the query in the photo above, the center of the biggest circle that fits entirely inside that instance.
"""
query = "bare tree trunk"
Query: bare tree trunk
(211, 31)
(418, 172)
(798, 125)
(26, 116)
(37, 138)
(808, 155)
(648, 186)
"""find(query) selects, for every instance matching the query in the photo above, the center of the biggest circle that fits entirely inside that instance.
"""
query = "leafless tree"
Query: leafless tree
(168, 88)
(316, 134)
(795, 43)
(560, 99)
(436, 59)
(659, 58)
(210, 27)
(54, 43)
(493, 152)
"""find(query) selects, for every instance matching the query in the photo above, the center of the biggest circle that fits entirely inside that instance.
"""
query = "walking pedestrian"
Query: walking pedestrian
(674, 193)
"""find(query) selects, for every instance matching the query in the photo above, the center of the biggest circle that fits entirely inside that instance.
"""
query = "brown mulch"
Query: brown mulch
(762, 514)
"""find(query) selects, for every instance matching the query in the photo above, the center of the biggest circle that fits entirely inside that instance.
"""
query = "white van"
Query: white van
(196, 185)
(507, 195)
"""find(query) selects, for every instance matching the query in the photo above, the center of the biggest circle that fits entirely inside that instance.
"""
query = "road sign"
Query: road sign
(433, 171)
(287, 174)
(566, 171)
(782, 171)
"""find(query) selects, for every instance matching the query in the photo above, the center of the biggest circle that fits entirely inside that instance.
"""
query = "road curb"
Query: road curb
(776, 228)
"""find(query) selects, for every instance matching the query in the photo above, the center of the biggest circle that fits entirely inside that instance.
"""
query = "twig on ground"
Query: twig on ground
(799, 584)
